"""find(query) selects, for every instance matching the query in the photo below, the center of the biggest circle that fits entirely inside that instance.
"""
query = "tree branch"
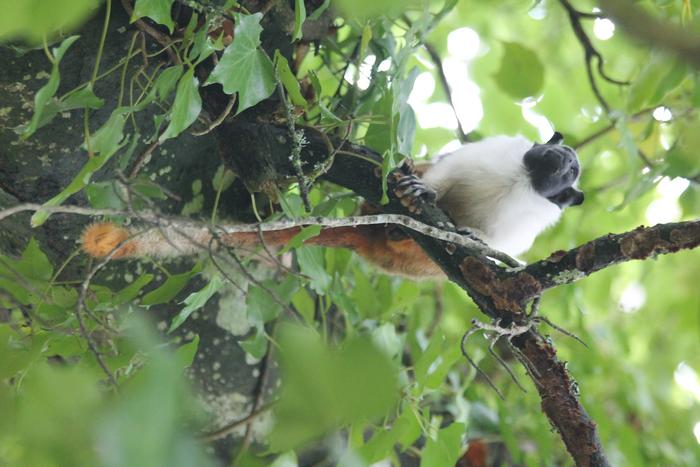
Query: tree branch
(261, 156)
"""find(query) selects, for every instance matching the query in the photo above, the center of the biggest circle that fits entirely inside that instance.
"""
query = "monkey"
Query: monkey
(504, 189)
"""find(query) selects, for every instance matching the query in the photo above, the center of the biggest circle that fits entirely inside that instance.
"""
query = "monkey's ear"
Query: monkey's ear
(556, 138)
(569, 197)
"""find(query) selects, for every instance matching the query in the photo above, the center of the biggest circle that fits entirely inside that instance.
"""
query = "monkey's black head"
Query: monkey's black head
(553, 170)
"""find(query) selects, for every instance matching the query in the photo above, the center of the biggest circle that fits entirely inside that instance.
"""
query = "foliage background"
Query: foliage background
(377, 357)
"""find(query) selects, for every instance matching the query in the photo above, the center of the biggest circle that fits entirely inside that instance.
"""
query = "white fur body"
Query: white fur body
(485, 186)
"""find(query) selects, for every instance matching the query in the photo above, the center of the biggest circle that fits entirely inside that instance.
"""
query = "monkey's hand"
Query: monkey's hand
(410, 189)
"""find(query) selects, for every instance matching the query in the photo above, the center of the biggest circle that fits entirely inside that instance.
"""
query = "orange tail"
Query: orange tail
(100, 239)
(403, 257)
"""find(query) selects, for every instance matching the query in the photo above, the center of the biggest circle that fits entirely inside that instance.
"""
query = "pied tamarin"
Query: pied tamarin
(505, 189)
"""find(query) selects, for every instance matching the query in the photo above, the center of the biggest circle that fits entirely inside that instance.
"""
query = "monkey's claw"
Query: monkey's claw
(469, 233)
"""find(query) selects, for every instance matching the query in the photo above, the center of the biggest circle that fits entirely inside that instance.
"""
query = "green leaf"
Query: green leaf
(186, 108)
(288, 459)
(429, 356)
(157, 10)
(405, 430)
(445, 449)
(170, 288)
(34, 264)
(336, 387)
(660, 74)
(305, 305)
(299, 18)
(83, 98)
(406, 125)
(255, 345)
(223, 178)
(521, 73)
(289, 81)
(102, 195)
(319, 11)
(105, 142)
(132, 290)
(304, 234)
(186, 352)
(195, 301)
(44, 95)
(262, 306)
(244, 68)
(312, 264)
(362, 9)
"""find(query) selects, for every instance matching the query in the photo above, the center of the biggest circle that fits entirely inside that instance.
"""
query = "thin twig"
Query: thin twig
(435, 57)
(590, 53)
(227, 429)
(220, 119)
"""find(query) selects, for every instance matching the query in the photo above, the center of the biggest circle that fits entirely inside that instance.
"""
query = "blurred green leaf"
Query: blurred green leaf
(334, 388)
(521, 73)
(445, 449)
(37, 19)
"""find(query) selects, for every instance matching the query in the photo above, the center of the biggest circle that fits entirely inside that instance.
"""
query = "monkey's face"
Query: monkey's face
(553, 170)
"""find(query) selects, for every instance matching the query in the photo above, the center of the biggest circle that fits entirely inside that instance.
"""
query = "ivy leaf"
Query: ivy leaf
(521, 73)
(166, 81)
(44, 95)
(244, 68)
(299, 18)
(157, 10)
(195, 301)
(186, 108)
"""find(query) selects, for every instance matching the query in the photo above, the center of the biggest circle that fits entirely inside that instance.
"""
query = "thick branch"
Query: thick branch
(653, 31)
(642, 243)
